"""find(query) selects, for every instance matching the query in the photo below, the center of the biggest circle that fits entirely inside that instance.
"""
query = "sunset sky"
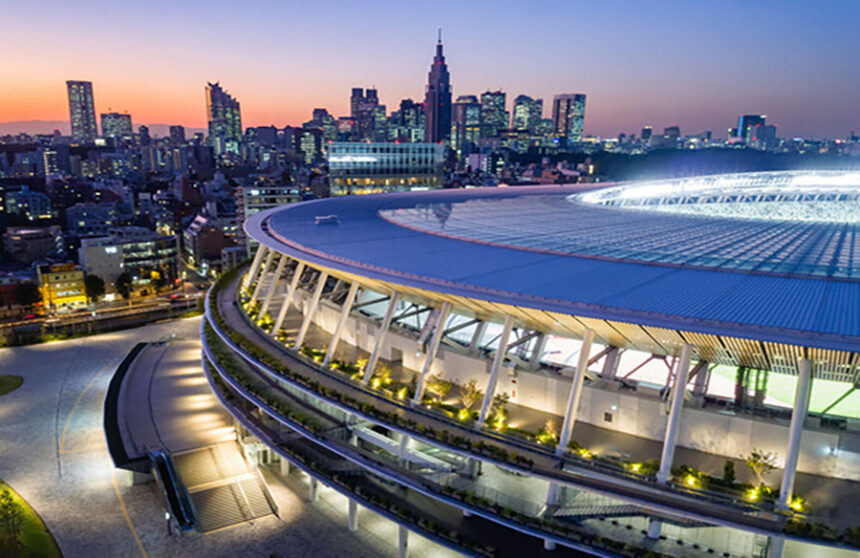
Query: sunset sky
(692, 63)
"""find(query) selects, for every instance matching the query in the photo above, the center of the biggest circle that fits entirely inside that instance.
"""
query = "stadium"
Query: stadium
(663, 366)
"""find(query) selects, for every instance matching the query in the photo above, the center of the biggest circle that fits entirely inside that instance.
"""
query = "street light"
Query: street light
(167, 519)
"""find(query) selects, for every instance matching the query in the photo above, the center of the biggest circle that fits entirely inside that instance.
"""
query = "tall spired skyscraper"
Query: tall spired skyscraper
(82, 112)
(437, 101)
(225, 121)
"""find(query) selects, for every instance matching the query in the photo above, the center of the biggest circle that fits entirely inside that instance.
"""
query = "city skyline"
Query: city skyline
(667, 64)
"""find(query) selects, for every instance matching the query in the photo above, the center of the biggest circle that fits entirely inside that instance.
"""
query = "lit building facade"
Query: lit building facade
(372, 168)
(135, 250)
(224, 117)
(494, 117)
(466, 125)
(527, 113)
(82, 112)
(117, 125)
(568, 116)
(62, 286)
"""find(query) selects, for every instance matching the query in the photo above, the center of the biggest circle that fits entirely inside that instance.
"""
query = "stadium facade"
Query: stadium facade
(570, 366)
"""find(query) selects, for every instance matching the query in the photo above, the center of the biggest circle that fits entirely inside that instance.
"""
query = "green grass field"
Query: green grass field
(35, 538)
(9, 384)
(824, 392)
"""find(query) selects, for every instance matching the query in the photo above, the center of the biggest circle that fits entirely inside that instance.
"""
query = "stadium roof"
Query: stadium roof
(547, 249)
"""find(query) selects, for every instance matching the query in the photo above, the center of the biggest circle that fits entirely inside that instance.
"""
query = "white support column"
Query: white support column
(259, 287)
(537, 353)
(310, 310)
(655, 526)
(402, 542)
(548, 544)
(403, 448)
(674, 422)
(255, 265)
(498, 360)
(610, 363)
(575, 393)
(285, 467)
(775, 546)
(431, 350)
(353, 515)
(341, 321)
(552, 494)
(275, 281)
(380, 336)
(478, 335)
(313, 490)
(288, 299)
(798, 417)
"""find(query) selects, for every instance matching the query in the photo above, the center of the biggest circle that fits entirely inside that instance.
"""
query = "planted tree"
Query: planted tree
(28, 294)
(438, 387)
(94, 287)
(123, 285)
(729, 472)
(761, 463)
(470, 394)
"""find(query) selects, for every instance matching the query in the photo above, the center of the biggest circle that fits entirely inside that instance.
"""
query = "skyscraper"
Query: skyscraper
(466, 127)
(437, 101)
(177, 135)
(364, 109)
(568, 115)
(117, 125)
(494, 117)
(225, 121)
(82, 112)
(746, 122)
(527, 113)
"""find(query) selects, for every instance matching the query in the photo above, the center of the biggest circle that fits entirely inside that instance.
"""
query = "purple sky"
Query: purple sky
(694, 64)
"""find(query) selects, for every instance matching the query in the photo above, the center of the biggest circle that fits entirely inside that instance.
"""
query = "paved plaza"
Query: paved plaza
(53, 452)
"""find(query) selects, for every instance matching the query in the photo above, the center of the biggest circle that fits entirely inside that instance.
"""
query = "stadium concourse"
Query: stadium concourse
(579, 367)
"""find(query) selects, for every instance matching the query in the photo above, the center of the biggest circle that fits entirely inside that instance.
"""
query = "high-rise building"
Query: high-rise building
(646, 133)
(364, 111)
(82, 112)
(177, 135)
(747, 122)
(437, 99)
(494, 117)
(225, 121)
(527, 113)
(466, 126)
(409, 121)
(117, 125)
(568, 115)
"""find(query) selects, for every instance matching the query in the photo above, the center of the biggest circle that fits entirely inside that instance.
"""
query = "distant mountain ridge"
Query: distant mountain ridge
(48, 127)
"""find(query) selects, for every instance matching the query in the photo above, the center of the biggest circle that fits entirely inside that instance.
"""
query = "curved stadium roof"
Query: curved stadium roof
(769, 257)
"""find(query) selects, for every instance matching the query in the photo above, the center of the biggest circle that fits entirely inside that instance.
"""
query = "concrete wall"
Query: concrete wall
(639, 413)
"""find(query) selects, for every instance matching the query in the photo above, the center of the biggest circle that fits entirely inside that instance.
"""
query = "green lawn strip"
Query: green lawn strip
(9, 383)
(824, 392)
(37, 541)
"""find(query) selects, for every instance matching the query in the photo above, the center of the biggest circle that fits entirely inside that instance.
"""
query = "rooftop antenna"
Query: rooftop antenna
(439, 39)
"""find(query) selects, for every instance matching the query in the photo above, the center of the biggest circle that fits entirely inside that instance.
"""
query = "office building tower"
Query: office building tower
(646, 133)
(143, 136)
(225, 121)
(494, 117)
(117, 126)
(177, 135)
(364, 109)
(568, 116)
(437, 100)
(355, 100)
(527, 113)
(409, 121)
(747, 122)
(82, 112)
(466, 126)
